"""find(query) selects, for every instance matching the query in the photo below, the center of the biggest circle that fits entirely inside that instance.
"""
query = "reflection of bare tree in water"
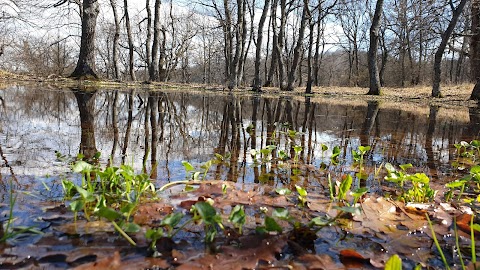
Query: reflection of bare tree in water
(372, 112)
(86, 107)
(473, 128)
(432, 121)
(230, 125)
(308, 128)
(151, 121)
(126, 139)
(114, 126)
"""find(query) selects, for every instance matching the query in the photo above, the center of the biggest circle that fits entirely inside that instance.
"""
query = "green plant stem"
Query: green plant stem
(457, 243)
(180, 228)
(123, 233)
(183, 182)
(472, 243)
(436, 243)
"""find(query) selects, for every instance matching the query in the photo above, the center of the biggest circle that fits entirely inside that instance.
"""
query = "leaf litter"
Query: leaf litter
(361, 240)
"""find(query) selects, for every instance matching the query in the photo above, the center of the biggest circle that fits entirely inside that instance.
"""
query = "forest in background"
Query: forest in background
(243, 43)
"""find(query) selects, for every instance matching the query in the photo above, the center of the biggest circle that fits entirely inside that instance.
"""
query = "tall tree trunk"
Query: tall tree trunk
(116, 37)
(373, 50)
(273, 62)
(475, 49)
(437, 65)
(153, 72)
(281, 43)
(233, 76)
(148, 41)
(162, 72)
(131, 68)
(257, 82)
(298, 47)
(85, 68)
(308, 88)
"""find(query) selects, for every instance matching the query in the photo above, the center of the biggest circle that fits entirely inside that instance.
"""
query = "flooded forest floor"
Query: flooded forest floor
(197, 177)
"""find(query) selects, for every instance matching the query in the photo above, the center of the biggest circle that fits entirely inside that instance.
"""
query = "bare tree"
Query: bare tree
(475, 49)
(86, 59)
(306, 14)
(131, 67)
(257, 82)
(373, 50)
(437, 72)
(116, 37)
(153, 71)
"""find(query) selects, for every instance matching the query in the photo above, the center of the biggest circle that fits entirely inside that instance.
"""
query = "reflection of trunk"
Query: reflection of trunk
(129, 125)
(473, 129)
(114, 126)
(432, 119)
(253, 137)
(153, 100)
(372, 111)
(86, 107)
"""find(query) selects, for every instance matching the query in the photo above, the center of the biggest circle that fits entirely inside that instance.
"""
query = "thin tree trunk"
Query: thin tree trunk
(116, 37)
(148, 40)
(437, 71)
(131, 68)
(257, 82)
(153, 72)
(308, 88)
(273, 62)
(297, 51)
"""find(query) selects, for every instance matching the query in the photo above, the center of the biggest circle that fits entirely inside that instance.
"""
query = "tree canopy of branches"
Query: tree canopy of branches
(248, 43)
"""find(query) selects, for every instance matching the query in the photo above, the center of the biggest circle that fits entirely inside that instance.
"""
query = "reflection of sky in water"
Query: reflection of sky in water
(38, 122)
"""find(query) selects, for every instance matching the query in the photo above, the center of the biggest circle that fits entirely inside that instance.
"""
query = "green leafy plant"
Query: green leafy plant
(359, 155)
(203, 212)
(302, 195)
(237, 217)
(113, 193)
(419, 190)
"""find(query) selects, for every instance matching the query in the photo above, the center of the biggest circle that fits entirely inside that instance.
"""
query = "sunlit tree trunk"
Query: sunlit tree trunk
(437, 65)
(373, 50)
